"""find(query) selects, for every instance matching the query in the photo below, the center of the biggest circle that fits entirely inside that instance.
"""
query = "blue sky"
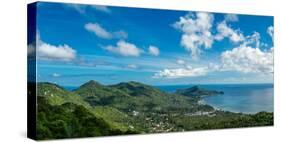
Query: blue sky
(77, 43)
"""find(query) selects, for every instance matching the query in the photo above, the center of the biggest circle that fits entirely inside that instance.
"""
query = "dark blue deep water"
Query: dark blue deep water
(246, 98)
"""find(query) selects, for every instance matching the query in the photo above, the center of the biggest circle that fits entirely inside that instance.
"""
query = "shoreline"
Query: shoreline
(203, 102)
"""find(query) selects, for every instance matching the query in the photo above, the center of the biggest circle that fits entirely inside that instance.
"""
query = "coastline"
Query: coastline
(173, 113)
(202, 100)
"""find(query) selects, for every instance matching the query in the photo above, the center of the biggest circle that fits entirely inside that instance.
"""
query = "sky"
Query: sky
(77, 43)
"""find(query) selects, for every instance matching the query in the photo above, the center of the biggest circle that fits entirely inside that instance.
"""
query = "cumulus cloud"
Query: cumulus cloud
(247, 59)
(181, 72)
(46, 51)
(152, 50)
(187, 70)
(101, 32)
(214, 67)
(98, 30)
(252, 40)
(270, 31)
(196, 29)
(124, 49)
(52, 52)
(231, 18)
(225, 31)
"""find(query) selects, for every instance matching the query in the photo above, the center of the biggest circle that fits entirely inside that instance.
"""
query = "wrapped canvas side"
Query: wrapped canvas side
(31, 71)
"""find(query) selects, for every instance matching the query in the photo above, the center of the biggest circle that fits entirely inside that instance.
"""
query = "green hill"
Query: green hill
(57, 95)
(197, 91)
(95, 109)
(137, 89)
(58, 104)
(132, 96)
(70, 120)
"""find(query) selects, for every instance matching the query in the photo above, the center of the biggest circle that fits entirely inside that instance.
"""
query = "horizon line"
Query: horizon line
(157, 85)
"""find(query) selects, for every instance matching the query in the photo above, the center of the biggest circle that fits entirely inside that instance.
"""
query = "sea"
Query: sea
(244, 98)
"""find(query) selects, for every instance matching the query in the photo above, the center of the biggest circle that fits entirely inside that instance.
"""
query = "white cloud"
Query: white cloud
(101, 8)
(152, 50)
(180, 62)
(247, 59)
(270, 31)
(231, 18)
(132, 66)
(31, 49)
(214, 67)
(103, 33)
(52, 52)
(224, 31)
(181, 72)
(47, 51)
(82, 8)
(196, 29)
(243, 59)
(124, 49)
(98, 30)
(252, 40)
(56, 75)
(79, 8)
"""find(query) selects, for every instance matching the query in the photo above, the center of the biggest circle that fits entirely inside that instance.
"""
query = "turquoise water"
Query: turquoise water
(246, 98)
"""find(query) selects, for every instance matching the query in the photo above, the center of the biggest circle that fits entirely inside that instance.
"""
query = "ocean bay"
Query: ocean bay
(245, 98)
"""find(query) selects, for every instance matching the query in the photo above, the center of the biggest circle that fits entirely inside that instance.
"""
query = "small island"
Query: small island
(197, 92)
